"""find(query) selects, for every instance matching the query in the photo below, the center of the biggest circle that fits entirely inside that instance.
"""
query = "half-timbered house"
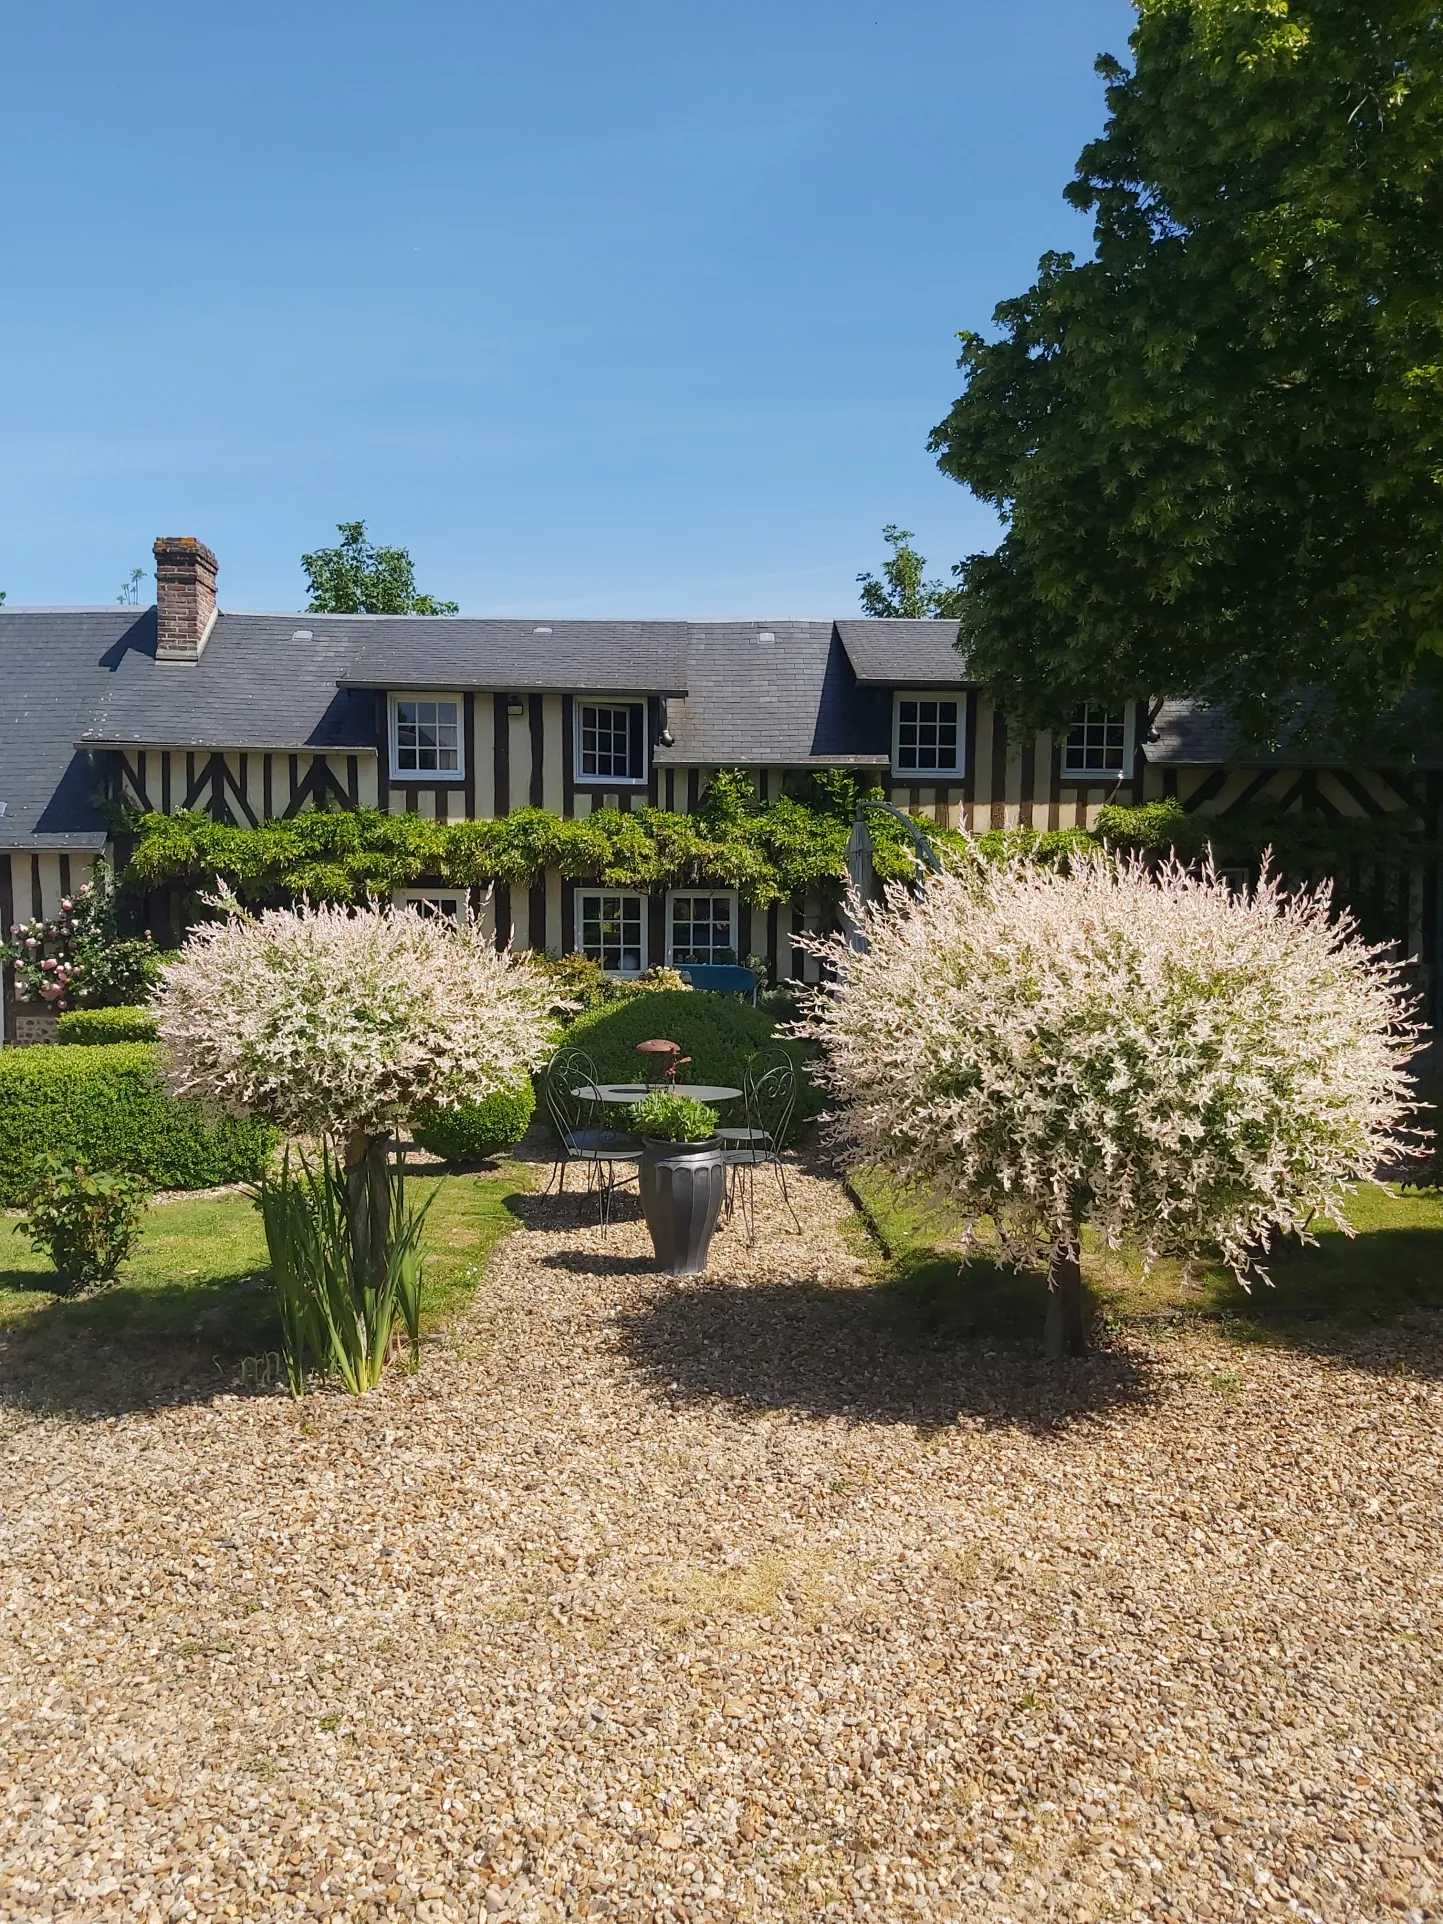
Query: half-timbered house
(254, 716)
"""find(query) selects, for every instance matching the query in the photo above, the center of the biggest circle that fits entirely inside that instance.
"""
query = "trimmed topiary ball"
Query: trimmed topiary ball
(475, 1130)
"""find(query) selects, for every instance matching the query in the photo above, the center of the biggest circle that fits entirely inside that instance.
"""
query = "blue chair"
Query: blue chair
(722, 978)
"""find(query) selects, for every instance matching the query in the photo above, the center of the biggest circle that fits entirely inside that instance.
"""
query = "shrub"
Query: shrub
(658, 981)
(338, 1021)
(86, 1222)
(80, 956)
(578, 979)
(134, 1024)
(105, 1107)
(342, 1023)
(1148, 1054)
(720, 1033)
(582, 981)
(668, 1117)
(474, 1130)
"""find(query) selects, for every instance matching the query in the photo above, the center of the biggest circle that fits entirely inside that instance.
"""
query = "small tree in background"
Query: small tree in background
(340, 1023)
(358, 578)
(903, 593)
(1148, 1054)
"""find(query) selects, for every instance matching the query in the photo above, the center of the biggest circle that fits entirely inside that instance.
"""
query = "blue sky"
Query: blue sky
(637, 309)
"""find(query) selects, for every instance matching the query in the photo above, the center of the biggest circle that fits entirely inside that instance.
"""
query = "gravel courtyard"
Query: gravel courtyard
(719, 1600)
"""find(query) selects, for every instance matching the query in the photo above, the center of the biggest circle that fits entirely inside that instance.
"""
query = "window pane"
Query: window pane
(702, 929)
(1096, 741)
(607, 739)
(611, 930)
(927, 734)
(428, 736)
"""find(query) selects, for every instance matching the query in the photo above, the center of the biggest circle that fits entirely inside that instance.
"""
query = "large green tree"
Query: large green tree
(358, 578)
(904, 593)
(1218, 444)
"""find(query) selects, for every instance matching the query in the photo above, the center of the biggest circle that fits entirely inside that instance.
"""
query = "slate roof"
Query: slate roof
(760, 693)
(262, 681)
(55, 666)
(903, 654)
(305, 681)
(1190, 734)
(534, 656)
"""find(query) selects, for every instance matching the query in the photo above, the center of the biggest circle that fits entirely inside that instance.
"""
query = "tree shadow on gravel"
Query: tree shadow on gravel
(125, 1351)
(842, 1352)
(573, 1209)
(599, 1262)
(1373, 1303)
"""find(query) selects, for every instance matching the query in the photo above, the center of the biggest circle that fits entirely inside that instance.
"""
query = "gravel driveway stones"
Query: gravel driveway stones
(717, 1599)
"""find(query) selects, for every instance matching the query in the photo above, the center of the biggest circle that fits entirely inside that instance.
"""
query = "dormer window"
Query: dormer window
(1096, 742)
(426, 738)
(927, 735)
(611, 742)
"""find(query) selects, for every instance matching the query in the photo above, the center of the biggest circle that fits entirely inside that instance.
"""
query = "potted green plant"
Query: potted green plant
(683, 1178)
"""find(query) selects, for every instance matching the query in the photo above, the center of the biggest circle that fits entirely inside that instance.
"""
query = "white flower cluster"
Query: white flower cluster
(336, 1019)
(1147, 1052)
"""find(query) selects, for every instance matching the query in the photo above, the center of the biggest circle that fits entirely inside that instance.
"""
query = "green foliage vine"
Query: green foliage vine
(1301, 845)
(767, 851)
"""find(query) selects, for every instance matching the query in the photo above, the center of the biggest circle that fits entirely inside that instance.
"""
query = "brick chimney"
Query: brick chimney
(185, 571)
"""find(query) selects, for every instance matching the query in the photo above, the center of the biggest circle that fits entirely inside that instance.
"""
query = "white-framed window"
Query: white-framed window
(426, 742)
(1096, 745)
(610, 741)
(453, 904)
(927, 734)
(701, 926)
(611, 929)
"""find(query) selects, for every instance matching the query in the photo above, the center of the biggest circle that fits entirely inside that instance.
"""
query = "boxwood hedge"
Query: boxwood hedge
(107, 1025)
(474, 1130)
(103, 1105)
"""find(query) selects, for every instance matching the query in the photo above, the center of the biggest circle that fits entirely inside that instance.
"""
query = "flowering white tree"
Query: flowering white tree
(341, 1021)
(1148, 1053)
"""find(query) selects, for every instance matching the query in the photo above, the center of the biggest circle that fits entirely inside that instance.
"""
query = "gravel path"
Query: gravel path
(716, 1600)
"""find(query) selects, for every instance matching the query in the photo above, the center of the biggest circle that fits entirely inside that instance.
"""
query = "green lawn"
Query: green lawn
(200, 1268)
(1392, 1265)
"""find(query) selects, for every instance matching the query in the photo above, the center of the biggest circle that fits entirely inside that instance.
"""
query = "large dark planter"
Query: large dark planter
(683, 1186)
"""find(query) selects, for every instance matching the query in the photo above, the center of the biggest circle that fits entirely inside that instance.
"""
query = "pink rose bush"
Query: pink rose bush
(76, 958)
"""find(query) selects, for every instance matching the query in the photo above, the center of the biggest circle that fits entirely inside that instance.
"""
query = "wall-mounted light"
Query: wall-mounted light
(515, 706)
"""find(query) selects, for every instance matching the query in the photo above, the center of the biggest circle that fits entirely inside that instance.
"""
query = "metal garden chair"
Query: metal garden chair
(583, 1135)
(769, 1096)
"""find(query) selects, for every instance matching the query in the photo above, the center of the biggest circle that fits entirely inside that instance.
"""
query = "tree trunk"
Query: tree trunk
(1065, 1333)
(368, 1203)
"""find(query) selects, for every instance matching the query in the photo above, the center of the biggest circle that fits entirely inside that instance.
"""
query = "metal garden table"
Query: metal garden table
(626, 1092)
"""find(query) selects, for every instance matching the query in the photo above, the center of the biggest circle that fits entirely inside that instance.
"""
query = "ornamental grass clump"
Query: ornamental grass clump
(1147, 1054)
(341, 1023)
(337, 1316)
